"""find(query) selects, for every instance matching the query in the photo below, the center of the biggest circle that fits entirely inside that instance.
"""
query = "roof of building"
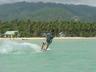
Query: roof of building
(10, 32)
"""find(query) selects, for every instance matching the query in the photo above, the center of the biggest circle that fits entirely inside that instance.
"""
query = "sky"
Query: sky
(85, 2)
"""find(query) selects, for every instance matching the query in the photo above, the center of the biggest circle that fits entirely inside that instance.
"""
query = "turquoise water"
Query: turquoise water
(63, 56)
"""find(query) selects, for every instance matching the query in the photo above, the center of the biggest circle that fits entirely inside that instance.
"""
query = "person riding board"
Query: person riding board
(49, 38)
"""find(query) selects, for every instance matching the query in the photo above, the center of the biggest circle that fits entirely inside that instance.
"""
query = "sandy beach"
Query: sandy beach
(25, 38)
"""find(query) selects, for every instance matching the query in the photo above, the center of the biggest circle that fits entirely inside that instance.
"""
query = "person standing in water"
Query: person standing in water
(49, 38)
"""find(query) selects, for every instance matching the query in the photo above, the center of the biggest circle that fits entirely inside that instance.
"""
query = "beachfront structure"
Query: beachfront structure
(61, 34)
(11, 34)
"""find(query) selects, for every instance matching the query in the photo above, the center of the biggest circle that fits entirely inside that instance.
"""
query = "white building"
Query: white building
(11, 34)
(61, 34)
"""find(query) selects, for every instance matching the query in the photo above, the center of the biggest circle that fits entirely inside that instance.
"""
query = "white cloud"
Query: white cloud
(87, 2)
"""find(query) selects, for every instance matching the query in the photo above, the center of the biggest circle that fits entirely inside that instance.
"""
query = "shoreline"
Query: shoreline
(25, 38)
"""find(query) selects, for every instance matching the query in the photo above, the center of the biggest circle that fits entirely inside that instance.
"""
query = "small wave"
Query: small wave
(16, 47)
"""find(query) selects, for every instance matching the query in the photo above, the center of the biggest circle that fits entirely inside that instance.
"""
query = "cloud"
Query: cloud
(86, 2)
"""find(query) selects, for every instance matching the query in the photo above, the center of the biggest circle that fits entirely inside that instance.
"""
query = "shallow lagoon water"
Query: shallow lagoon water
(66, 55)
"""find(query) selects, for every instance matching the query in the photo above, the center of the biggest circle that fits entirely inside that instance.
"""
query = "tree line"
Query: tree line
(29, 28)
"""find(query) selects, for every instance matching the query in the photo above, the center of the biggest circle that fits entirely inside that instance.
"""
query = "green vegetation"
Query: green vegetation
(47, 11)
(28, 28)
